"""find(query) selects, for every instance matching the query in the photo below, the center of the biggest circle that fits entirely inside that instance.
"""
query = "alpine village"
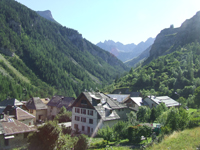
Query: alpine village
(58, 91)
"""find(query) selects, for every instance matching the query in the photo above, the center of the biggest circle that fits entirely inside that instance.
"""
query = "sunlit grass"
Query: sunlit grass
(188, 139)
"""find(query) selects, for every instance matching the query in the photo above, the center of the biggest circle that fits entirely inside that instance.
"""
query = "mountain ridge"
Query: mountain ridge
(125, 52)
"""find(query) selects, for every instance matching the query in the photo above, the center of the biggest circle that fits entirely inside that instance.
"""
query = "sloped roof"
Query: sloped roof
(114, 104)
(106, 104)
(11, 102)
(102, 112)
(36, 104)
(137, 100)
(119, 97)
(60, 101)
(12, 126)
(169, 102)
(18, 113)
(22, 114)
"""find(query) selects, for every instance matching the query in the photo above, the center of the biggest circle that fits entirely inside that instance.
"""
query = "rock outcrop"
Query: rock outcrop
(168, 40)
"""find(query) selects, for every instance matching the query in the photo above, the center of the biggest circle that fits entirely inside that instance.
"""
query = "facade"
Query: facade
(13, 133)
(134, 103)
(56, 103)
(153, 101)
(93, 110)
(37, 108)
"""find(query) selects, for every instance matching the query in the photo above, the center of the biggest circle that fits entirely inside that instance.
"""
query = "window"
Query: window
(92, 130)
(119, 109)
(83, 119)
(122, 109)
(75, 126)
(31, 111)
(77, 118)
(6, 142)
(83, 111)
(25, 135)
(77, 110)
(90, 121)
(83, 128)
(90, 112)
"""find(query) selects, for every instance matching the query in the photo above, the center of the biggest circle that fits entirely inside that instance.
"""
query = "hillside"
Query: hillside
(176, 72)
(49, 55)
(187, 139)
(136, 61)
(125, 52)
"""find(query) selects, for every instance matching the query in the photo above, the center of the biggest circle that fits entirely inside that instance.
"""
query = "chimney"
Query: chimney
(8, 113)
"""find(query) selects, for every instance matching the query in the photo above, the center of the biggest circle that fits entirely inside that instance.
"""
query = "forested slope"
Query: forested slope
(175, 75)
(50, 55)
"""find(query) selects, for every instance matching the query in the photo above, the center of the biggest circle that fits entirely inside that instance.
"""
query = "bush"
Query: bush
(82, 143)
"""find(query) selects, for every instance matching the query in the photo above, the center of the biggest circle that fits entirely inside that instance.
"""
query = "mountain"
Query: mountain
(47, 15)
(138, 60)
(125, 52)
(169, 39)
(41, 58)
(172, 68)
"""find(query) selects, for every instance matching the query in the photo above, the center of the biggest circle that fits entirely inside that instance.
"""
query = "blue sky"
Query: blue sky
(125, 21)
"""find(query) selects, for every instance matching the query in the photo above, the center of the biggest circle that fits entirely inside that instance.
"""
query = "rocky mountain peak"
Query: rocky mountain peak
(46, 14)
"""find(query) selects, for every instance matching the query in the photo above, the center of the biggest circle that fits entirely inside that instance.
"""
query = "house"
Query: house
(153, 101)
(119, 97)
(13, 133)
(134, 103)
(20, 115)
(56, 103)
(37, 108)
(13, 102)
(94, 110)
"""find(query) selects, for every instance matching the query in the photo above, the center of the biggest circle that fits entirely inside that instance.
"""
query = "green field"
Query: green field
(188, 139)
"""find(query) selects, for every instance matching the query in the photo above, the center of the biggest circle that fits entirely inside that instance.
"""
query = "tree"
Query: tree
(153, 115)
(160, 109)
(132, 118)
(106, 133)
(120, 130)
(197, 96)
(143, 114)
(82, 142)
(46, 137)
(64, 115)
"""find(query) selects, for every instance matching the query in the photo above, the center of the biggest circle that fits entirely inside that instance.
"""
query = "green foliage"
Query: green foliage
(46, 137)
(135, 133)
(178, 72)
(51, 136)
(63, 115)
(160, 109)
(174, 119)
(132, 118)
(120, 130)
(194, 119)
(197, 96)
(106, 133)
(143, 114)
(153, 115)
(82, 142)
(53, 58)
